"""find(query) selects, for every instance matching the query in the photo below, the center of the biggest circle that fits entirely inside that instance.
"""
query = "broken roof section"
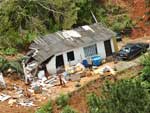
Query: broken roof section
(61, 41)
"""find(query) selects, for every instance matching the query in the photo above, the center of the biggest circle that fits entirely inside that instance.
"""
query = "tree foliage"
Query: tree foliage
(112, 16)
(127, 96)
(21, 21)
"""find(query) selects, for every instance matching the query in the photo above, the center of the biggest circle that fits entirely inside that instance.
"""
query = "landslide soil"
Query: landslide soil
(137, 11)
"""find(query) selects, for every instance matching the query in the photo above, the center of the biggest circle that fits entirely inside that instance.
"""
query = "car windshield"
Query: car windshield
(126, 49)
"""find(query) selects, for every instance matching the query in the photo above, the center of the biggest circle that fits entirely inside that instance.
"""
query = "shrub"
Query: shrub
(62, 100)
(146, 70)
(47, 108)
(145, 61)
(68, 109)
(2, 62)
(14, 65)
(94, 103)
(122, 23)
(126, 96)
(9, 51)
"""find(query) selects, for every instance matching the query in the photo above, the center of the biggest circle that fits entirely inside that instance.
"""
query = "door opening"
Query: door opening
(59, 61)
(108, 48)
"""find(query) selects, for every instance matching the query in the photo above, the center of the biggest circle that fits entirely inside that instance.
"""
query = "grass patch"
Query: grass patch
(47, 108)
(68, 109)
(62, 100)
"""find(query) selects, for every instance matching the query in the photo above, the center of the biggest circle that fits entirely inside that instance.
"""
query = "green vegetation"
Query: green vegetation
(145, 73)
(62, 100)
(126, 96)
(15, 65)
(47, 108)
(9, 51)
(114, 17)
(146, 70)
(68, 109)
(121, 23)
(86, 8)
(21, 21)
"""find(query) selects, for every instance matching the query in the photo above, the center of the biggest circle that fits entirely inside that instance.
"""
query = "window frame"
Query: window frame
(87, 48)
(68, 56)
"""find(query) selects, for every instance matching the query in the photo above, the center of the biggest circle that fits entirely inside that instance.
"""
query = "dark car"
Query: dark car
(118, 37)
(132, 50)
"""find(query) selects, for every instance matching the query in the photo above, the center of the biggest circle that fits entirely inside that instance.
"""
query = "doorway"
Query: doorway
(108, 48)
(59, 61)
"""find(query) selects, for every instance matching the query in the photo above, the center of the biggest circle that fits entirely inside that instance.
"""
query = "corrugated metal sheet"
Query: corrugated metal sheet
(57, 42)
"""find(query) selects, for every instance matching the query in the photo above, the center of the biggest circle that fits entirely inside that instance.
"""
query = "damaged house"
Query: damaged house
(72, 46)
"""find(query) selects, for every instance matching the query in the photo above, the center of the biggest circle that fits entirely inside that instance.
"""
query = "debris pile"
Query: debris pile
(39, 85)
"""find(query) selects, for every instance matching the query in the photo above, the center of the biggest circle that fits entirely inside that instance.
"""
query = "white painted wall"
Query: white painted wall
(101, 49)
(78, 54)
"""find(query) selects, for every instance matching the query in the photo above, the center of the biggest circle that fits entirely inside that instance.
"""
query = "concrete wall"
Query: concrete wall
(78, 55)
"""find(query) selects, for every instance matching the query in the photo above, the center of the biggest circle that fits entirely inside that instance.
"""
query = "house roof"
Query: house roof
(61, 41)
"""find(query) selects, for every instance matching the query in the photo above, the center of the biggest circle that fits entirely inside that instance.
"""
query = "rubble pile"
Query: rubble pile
(38, 86)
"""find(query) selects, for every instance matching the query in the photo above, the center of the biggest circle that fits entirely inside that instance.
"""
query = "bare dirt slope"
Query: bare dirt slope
(137, 11)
